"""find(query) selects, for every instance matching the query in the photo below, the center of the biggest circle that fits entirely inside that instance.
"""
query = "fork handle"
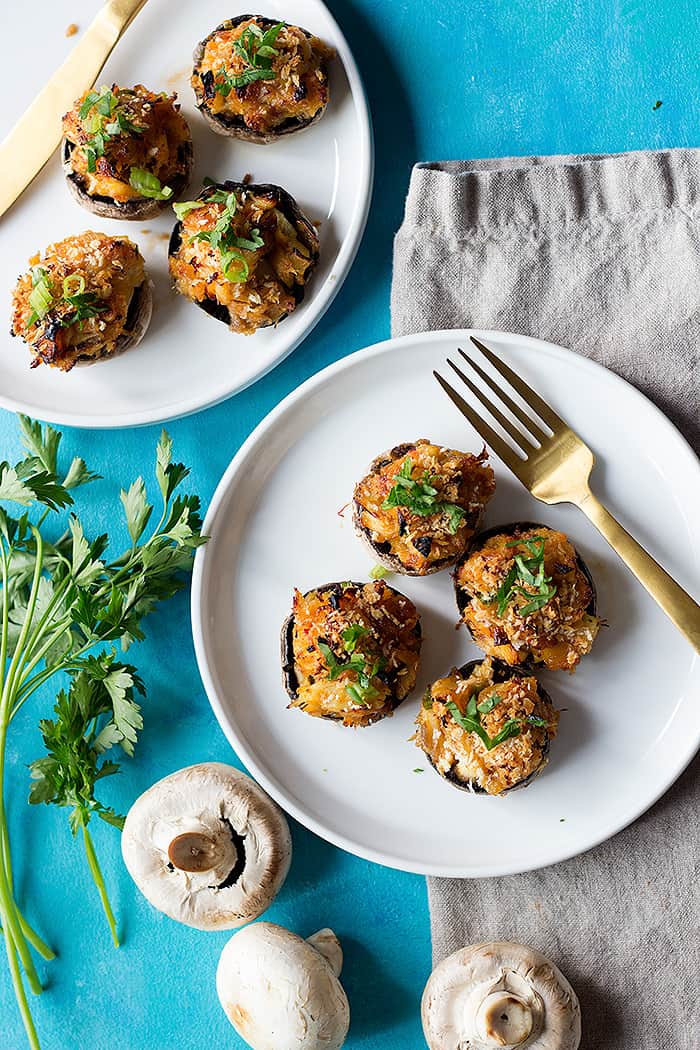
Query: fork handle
(683, 610)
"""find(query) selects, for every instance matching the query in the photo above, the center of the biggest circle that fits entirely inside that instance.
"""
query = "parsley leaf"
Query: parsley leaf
(525, 578)
(255, 49)
(419, 496)
(362, 691)
(472, 723)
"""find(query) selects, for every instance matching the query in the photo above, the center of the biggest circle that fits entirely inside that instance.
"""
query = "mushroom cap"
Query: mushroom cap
(500, 995)
(207, 847)
(280, 992)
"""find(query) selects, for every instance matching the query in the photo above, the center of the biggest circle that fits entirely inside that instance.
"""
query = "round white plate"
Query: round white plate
(188, 360)
(632, 718)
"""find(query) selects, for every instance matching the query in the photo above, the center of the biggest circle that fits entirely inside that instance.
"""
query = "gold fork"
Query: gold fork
(556, 469)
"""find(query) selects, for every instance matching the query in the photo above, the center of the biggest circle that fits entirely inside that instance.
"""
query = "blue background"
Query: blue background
(445, 80)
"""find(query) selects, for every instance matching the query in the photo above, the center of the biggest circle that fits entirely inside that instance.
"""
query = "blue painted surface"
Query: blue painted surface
(445, 80)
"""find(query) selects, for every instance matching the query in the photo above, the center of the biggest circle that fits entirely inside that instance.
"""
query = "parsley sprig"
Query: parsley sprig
(362, 691)
(43, 298)
(526, 578)
(256, 50)
(234, 265)
(420, 496)
(65, 605)
(103, 119)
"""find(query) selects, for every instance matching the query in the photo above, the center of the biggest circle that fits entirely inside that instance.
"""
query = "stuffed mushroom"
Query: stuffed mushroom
(527, 597)
(243, 253)
(257, 79)
(486, 727)
(420, 504)
(350, 651)
(88, 298)
(126, 152)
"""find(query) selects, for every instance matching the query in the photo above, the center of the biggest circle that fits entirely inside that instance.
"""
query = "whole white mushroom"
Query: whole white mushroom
(499, 995)
(207, 846)
(281, 992)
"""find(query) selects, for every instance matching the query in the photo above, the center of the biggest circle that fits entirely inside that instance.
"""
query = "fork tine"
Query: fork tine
(526, 420)
(526, 392)
(517, 435)
(499, 446)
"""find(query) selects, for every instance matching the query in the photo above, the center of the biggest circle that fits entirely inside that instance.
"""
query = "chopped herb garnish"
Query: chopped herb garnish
(42, 298)
(362, 691)
(420, 496)
(418, 770)
(379, 572)
(103, 120)
(471, 719)
(257, 52)
(472, 723)
(351, 636)
(525, 578)
(489, 703)
(221, 238)
(148, 185)
(658, 104)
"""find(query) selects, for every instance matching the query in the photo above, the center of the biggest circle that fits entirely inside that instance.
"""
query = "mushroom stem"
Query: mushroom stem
(327, 944)
(195, 851)
(504, 1020)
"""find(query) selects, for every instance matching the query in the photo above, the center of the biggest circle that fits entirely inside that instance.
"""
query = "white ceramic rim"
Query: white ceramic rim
(273, 787)
(322, 300)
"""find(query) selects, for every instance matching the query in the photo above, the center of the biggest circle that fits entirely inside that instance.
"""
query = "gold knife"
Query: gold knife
(37, 134)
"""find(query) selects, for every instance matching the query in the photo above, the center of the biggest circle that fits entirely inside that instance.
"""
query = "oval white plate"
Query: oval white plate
(632, 719)
(188, 360)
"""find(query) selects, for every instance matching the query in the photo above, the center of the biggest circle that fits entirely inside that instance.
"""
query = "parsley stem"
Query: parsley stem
(29, 932)
(20, 993)
(99, 881)
(8, 909)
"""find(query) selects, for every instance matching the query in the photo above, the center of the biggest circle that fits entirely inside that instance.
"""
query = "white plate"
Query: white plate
(189, 360)
(632, 719)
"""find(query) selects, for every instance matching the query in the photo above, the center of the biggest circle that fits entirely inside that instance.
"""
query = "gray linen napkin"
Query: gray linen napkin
(600, 254)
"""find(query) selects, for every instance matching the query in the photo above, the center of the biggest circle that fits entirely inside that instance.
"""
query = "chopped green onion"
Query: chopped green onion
(148, 185)
(69, 288)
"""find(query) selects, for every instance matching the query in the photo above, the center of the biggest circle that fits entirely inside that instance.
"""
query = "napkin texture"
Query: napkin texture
(599, 253)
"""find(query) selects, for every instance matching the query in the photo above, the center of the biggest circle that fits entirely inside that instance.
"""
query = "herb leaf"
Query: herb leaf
(419, 496)
(525, 578)
(257, 52)
(148, 185)
(471, 722)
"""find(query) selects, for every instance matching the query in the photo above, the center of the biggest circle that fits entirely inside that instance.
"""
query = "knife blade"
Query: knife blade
(30, 143)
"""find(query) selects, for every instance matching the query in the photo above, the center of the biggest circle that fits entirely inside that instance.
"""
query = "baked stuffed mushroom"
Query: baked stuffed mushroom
(257, 79)
(527, 597)
(486, 727)
(127, 152)
(420, 504)
(88, 298)
(243, 253)
(350, 651)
